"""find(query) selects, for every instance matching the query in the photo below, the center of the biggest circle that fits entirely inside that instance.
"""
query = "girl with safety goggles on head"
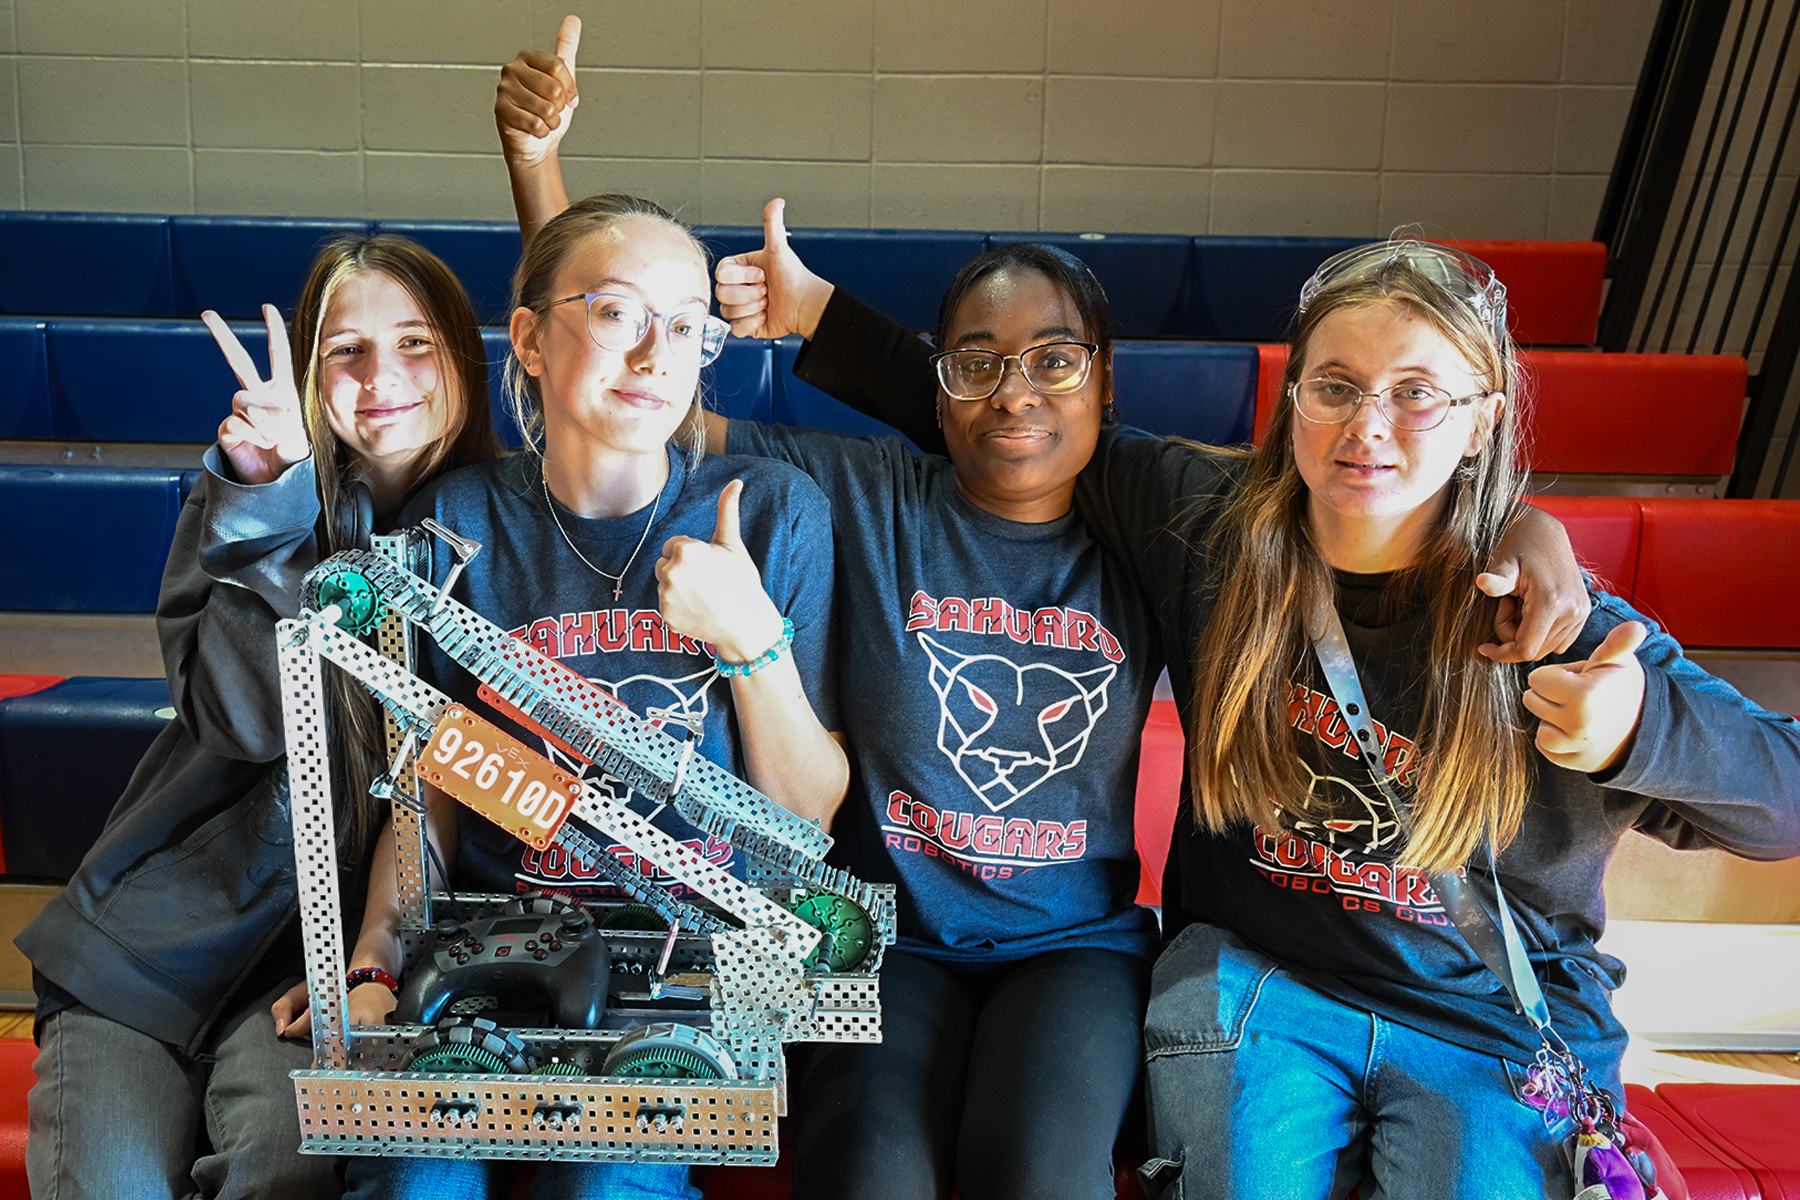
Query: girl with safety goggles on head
(1372, 863)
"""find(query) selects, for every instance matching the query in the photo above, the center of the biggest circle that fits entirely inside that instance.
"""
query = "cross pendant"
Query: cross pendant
(617, 588)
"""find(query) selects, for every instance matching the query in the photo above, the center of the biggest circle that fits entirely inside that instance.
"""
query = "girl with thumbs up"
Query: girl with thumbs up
(695, 588)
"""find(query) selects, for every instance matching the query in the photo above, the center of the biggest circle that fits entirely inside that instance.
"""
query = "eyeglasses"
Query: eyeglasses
(1051, 369)
(1414, 406)
(1462, 275)
(620, 323)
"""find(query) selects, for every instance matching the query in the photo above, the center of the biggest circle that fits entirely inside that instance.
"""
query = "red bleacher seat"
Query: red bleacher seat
(1755, 1125)
(16, 1078)
(25, 685)
(1634, 414)
(1715, 573)
(1709, 1174)
(1722, 572)
(1553, 289)
(1158, 793)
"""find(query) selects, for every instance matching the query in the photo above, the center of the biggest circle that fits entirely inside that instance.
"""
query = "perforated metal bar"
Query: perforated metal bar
(502, 1116)
(392, 642)
(315, 838)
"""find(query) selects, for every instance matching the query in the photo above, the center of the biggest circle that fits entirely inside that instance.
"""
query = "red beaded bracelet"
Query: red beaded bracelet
(362, 975)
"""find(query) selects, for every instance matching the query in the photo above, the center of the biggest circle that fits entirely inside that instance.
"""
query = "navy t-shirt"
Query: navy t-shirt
(994, 678)
(528, 581)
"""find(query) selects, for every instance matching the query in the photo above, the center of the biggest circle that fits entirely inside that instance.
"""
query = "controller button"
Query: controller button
(502, 951)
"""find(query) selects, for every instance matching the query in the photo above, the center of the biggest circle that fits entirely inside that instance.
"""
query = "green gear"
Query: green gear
(851, 931)
(559, 1068)
(457, 1060)
(666, 1062)
(352, 591)
(667, 1050)
(634, 916)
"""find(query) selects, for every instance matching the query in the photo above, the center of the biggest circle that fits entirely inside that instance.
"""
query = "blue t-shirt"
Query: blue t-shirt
(994, 679)
(528, 581)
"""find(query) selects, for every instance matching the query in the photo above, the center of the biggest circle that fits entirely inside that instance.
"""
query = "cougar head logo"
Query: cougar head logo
(1372, 828)
(1007, 728)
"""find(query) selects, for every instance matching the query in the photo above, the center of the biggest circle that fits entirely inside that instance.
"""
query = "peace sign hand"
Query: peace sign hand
(265, 433)
(536, 98)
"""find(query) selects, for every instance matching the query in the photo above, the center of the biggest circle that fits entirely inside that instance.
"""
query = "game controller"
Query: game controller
(558, 955)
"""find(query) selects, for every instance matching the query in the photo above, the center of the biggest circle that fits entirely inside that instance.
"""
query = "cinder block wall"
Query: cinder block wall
(1477, 118)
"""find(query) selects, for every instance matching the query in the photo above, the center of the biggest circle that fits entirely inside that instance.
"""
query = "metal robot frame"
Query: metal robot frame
(748, 965)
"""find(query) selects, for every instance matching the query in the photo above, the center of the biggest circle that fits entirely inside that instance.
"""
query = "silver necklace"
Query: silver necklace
(619, 579)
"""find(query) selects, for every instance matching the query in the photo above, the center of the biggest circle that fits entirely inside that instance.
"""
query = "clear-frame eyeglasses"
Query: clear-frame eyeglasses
(1413, 406)
(1052, 369)
(619, 323)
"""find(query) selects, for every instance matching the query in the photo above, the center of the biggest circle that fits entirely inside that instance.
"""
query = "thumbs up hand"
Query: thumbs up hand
(769, 293)
(1588, 710)
(536, 98)
(713, 591)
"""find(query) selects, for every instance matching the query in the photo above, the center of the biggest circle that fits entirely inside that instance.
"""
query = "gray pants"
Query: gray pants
(117, 1113)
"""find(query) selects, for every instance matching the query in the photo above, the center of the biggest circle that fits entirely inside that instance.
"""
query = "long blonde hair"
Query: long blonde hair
(1474, 773)
(358, 740)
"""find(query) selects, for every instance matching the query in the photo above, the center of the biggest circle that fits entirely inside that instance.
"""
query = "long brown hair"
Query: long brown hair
(357, 732)
(1475, 767)
(535, 278)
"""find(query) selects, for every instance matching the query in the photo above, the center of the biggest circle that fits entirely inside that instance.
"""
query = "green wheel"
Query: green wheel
(666, 1050)
(851, 933)
(352, 592)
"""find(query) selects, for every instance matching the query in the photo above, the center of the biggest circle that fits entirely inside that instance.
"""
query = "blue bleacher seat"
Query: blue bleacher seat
(143, 381)
(66, 754)
(902, 272)
(1245, 288)
(723, 241)
(89, 538)
(235, 265)
(483, 255)
(1145, 275)
(740, 383)
(85, 264)
(24, 380)
(802, 404)
(1200, 390)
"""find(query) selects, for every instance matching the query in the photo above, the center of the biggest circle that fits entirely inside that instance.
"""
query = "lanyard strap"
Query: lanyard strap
(1500, 948)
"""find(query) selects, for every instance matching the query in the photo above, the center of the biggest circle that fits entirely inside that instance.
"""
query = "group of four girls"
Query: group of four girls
(982, 626)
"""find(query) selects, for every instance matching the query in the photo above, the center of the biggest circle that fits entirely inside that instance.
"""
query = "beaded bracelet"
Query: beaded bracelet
(762, 660)
(362, 975)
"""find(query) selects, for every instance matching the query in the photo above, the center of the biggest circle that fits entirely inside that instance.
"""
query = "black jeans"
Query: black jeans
(1010, 1081)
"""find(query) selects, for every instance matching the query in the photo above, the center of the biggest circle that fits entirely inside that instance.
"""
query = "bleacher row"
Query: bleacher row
(1229, 288)
(1669, 421)
(99, 350)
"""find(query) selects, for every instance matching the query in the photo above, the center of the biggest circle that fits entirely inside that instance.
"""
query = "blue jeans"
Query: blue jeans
(369, 1178)
(118, 1113)
(1261, 1086)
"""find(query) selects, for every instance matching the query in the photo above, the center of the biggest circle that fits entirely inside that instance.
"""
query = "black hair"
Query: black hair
(1058, 265)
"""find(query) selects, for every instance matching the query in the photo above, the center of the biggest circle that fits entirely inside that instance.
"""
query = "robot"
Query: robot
(689, 1066)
